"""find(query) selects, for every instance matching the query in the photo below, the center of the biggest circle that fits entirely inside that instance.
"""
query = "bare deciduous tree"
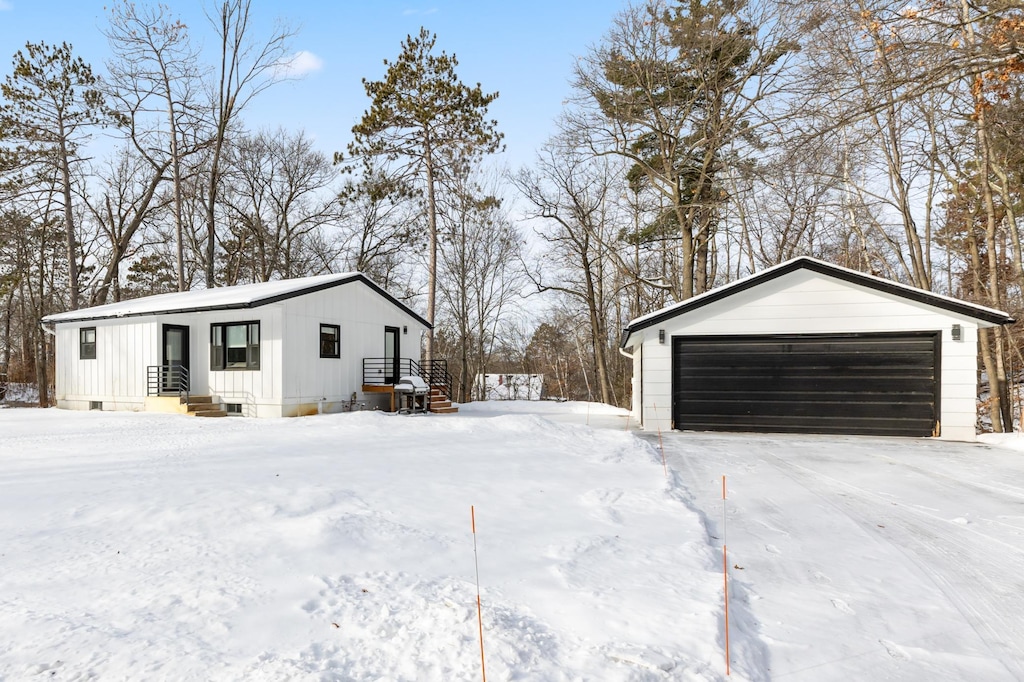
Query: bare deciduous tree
(155, 78)
(247, 66)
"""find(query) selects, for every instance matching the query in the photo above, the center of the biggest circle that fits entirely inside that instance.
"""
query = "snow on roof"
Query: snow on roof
(805, 262)
(221, 298)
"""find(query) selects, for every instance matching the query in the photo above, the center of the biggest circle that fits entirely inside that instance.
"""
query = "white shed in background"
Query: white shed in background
(272, 349)
(509, 386)
(810, 347)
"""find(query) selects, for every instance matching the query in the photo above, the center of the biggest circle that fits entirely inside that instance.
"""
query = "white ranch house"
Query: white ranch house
(276, 349)
(810, 347)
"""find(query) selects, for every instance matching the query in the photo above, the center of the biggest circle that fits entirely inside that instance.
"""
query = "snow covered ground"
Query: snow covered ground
(869, 558)
(141, 546)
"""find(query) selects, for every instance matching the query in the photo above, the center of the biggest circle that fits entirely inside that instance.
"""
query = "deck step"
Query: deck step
(210, 413)
(203, 406)
(442, 407)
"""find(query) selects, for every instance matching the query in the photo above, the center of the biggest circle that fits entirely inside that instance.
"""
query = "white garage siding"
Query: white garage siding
(806, 302)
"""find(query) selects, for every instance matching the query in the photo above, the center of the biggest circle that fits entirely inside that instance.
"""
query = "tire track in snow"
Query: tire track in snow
(750, 655)
(985, 586)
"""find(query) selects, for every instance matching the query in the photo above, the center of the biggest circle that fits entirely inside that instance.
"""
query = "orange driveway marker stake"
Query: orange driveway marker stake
(479, 615)
(725, 575)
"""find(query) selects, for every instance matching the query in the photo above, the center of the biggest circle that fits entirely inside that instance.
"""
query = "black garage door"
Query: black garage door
(871, 384)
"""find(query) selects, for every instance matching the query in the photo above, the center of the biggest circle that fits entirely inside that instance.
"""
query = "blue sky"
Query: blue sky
(525, 49)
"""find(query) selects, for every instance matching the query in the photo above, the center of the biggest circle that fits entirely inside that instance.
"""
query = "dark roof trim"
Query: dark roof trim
(360, 277)
(804, 263)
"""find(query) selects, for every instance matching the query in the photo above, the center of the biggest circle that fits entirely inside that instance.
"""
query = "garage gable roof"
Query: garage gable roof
(977, 312)
(225, 298)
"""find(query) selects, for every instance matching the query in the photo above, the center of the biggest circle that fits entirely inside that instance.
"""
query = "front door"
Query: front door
(175, 360)
(391, 355)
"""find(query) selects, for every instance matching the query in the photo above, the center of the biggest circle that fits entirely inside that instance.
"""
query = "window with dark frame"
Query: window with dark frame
(330, 341)
(235, 345)
(87, 343)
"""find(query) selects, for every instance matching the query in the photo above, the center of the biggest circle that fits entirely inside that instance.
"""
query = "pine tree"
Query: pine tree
(425, 123)
(51, 101)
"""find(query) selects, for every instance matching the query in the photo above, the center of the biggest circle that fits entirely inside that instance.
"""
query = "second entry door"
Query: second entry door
(392, 357)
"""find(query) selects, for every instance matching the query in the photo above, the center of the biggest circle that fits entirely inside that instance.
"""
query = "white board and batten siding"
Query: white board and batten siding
(112, 378)
(806, 302)
(257, 391)
(292, 378)
(358, 310)
(126, 347)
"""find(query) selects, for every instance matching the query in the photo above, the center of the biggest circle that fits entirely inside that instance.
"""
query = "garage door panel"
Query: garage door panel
(886, 398)
(813, 360)
(839, 410)
(740, 376)
(885, 384)
(873, 427)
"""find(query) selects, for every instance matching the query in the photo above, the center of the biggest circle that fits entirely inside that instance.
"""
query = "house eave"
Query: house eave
(277, 298)
(987, 315)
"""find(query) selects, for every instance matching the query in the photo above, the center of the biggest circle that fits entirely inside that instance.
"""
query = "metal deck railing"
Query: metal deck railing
(168, 380)
(387, 372)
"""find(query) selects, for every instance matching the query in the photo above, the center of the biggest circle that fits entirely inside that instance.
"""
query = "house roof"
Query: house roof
(224, 298)
(972, 310)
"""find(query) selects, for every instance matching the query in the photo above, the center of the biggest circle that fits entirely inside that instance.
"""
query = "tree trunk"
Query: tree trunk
(997, 382)
(597, 336)
(69, 223)
(428, 349)
(8, 314)
(179, 233)
(211, 216)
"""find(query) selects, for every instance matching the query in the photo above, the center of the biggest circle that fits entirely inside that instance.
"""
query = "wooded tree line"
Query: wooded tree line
(702, 140)
(710, 139)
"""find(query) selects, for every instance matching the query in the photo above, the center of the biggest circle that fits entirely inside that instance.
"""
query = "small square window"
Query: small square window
(233, 408)
(87, 343)
(330, 341)
(95, 405)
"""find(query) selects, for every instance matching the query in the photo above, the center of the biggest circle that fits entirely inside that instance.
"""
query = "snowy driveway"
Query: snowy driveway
(864, 558)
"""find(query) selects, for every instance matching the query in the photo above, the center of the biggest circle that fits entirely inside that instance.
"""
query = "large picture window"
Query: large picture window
(87, 343)
(330, 341)
(235, 345)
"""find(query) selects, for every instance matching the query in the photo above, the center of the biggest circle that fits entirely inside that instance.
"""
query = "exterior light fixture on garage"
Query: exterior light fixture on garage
(957, 332)
(661, 336)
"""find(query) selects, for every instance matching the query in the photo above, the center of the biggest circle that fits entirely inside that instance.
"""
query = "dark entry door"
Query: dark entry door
(175, 360)
(869, 384)
(392, 356)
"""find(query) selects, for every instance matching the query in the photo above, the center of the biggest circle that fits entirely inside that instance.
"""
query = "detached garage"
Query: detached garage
(810, 347)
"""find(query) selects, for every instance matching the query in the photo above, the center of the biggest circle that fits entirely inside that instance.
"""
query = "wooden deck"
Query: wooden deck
(438, 403)
(381, 388)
